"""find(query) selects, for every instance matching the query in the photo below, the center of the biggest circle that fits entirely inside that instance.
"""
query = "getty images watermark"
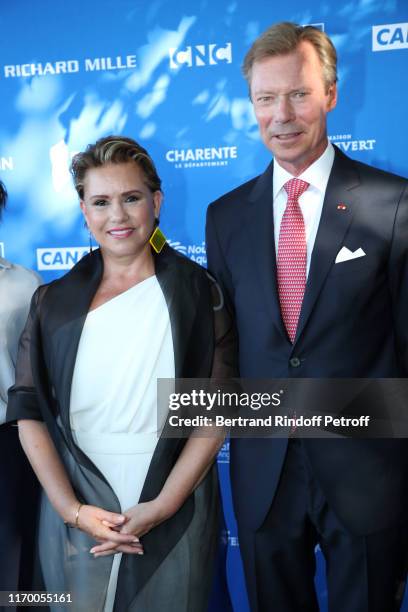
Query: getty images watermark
(283, 407)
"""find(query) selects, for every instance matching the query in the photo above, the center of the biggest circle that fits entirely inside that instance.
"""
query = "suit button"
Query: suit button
(294, 362)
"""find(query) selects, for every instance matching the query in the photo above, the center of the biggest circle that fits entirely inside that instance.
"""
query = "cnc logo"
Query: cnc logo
(390, 37)
(201, 55)
(196, 252)
(60, 258)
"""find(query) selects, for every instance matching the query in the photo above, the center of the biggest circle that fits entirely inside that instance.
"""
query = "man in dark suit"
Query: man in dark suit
(312, 256)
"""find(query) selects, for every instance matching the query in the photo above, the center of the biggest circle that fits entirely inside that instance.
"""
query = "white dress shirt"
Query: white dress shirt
(17, 285)
(311, 201)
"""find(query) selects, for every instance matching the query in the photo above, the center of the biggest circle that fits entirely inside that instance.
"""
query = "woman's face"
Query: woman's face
(120, 209)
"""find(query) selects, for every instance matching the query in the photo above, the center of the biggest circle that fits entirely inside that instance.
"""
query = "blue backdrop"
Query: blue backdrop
(168, 74)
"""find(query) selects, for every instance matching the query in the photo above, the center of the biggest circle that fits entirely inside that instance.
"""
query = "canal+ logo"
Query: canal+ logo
(201, 55)
(60, 258)
(390, 37)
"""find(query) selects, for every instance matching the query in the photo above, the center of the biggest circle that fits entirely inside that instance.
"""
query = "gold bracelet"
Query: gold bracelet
(77, 516)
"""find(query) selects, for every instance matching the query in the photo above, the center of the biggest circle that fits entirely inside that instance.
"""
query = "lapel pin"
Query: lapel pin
(341, 206)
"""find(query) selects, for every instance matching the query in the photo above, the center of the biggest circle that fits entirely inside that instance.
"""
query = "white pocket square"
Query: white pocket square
(345, 254)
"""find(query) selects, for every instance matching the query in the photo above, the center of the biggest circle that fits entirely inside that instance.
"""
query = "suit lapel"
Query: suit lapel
(333, 227)
(260, 227)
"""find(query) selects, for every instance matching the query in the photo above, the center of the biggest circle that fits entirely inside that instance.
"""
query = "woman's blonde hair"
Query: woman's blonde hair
(113, 150)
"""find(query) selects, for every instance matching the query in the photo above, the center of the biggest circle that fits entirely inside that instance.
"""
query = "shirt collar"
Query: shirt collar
(317, 174)
(4, 263)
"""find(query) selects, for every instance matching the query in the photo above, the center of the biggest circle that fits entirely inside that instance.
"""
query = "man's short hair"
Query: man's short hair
(283, 38)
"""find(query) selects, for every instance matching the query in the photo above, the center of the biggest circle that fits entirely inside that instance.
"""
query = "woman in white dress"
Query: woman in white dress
(146, 508)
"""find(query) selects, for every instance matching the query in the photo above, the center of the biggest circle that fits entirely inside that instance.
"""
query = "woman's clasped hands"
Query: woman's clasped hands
(119, 533)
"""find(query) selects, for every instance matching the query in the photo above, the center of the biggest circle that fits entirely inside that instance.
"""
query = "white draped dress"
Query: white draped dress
(126, 344)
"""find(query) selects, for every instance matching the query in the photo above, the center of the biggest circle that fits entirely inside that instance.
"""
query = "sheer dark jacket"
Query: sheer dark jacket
(353, 324)
(203, 342)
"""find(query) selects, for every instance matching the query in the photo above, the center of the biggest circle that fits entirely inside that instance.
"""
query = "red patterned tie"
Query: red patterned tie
(292, 256)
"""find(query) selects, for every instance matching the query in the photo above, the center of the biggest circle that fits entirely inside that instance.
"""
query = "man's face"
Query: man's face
(291, 102)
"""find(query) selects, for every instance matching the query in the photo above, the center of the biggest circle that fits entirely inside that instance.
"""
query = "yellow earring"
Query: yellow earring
(157, 240)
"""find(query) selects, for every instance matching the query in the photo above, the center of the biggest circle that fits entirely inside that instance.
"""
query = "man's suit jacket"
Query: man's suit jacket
(353, 323)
